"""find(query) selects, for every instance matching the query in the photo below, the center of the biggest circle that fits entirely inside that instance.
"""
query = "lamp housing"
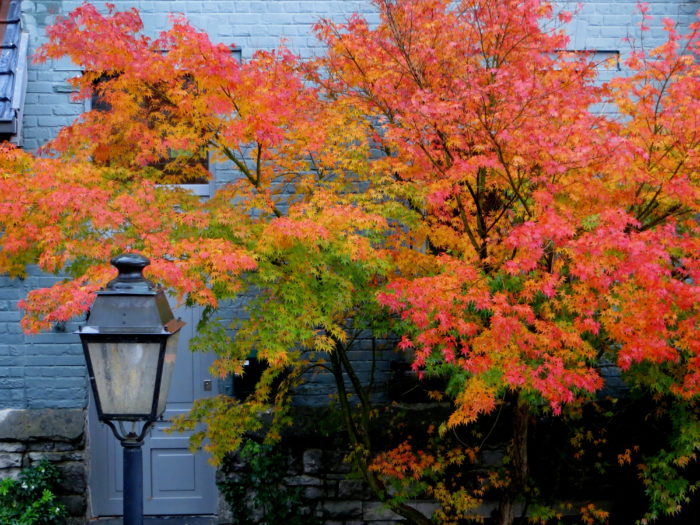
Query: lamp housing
(130, 343)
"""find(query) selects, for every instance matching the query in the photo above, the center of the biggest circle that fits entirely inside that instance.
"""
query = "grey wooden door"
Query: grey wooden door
(175, 480)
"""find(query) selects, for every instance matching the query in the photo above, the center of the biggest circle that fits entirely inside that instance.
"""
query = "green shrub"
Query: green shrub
(30, 500)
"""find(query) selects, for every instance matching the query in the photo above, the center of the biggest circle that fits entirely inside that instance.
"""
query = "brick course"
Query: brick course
(43, 370)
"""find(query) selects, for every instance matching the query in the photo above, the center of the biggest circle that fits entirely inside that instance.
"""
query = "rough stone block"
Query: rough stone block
(353, 489)
(76, 505)
(233, 477)
(225, 514)
(12, 447)
(8, 460)
(44, 424)
(11, 473)
(314, 493)
(337, 463)
(427, 508)
(375, 511)
(54, 446)
(342, 509)
(312, 461)
(73, 478)
(56, 457)
(330, 490)
(304, 481)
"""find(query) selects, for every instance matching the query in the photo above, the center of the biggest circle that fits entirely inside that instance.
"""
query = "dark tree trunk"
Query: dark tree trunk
(359, 434)
(519, 462)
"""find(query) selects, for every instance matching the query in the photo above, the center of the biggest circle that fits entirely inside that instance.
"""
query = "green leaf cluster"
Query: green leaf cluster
(31, 499)
(665, 475)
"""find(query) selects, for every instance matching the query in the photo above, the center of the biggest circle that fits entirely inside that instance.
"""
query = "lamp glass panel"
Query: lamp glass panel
(125, 375)
(168, 367)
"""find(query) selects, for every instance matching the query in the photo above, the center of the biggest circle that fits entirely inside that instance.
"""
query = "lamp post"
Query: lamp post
(130, 343)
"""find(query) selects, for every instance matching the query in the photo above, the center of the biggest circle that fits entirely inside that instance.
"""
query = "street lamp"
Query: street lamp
(130, 343)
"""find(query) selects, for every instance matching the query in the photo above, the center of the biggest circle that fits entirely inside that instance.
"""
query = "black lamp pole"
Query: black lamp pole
(130, 343)
(133, 482)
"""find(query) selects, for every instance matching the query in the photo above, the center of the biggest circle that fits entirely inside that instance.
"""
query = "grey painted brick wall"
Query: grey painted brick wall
(46, 370)
(38, 371)
(601, 24)
(252, 25)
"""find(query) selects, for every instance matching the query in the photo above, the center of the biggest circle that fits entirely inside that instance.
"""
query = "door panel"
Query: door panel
(175, 480)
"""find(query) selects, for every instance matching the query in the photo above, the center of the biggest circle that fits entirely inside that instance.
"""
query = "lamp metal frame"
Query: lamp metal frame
(130, 310)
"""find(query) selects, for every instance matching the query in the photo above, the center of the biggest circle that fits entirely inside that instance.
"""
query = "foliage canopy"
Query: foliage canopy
(446, 176)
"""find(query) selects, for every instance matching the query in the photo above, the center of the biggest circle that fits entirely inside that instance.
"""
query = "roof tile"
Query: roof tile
(10, 37)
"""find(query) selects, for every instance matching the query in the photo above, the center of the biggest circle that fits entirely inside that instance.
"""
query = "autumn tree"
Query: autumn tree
(288, 230)
(444, 171)
(550, 236)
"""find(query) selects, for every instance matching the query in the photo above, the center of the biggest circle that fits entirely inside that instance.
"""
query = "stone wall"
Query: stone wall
(328, 494)
(338, 500)
(56, 435)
